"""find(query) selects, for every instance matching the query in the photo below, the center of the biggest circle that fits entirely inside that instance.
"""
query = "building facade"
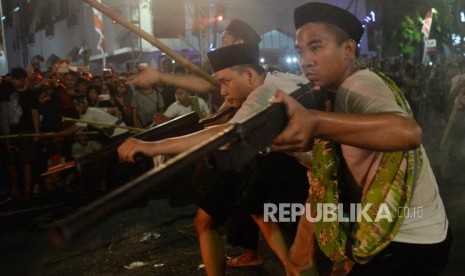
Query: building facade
(66, 29)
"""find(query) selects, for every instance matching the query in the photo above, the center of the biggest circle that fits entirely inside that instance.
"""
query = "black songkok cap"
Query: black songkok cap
(325, 13)
(241, 30)
(233, 55)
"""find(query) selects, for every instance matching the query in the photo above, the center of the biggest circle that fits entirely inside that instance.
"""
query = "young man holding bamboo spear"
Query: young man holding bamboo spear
(248, 88)
(356, 160)
(237, 32)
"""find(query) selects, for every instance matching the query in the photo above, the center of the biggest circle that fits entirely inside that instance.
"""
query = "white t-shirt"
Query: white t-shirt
(259, 99)
(365, 93)
(146, 104)
(78, 150)
(176, 109)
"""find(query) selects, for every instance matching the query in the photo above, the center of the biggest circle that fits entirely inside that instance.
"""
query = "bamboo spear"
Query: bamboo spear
(59, 168)
(42, 135)
(150, 38)
(204, 56)
(103, 124)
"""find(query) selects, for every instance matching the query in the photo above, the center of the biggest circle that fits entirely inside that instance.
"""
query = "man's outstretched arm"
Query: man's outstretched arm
(148, 76)
(378, 132)
(175, 145)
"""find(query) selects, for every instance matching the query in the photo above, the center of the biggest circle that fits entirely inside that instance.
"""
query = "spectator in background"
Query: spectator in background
(166, 91)
(21, 151)
(50, 106)
(185, 103)
(96, 80)
(145, 102)
(67, 91)
(83, 145)
(33, 70)
(97, 115)
(457, 94)
(458, 81)
(123, 99)
(107, 99)
(82, 85)
(114, 172)
(58, 155)
(93, 93)
(50, 109)
(108, 75)
(436, 99)
(6, 89)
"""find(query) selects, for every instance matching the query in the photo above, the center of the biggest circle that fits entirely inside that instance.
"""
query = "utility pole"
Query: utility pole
(218, 17)
(203, 20)
(4, 61)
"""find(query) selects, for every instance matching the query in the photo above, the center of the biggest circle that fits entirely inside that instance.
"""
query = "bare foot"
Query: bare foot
(247, 258)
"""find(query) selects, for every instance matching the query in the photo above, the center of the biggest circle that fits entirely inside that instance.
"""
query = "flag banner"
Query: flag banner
(427, 25)
(98, 22)
(3, 59)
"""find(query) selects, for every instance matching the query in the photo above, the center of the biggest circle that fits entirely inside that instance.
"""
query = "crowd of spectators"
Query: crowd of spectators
(66, 113)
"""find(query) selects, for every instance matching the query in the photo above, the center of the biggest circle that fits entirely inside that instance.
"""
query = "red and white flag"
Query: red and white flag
(427, 25)
(98, 22)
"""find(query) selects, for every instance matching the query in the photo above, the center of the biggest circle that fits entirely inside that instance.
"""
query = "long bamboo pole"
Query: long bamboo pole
(202, 54)
(150, 38)
(59, 168)
(103, 124)
(42, 135)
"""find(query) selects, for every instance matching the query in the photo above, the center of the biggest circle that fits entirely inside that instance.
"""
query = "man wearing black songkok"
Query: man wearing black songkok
(237, 32)
(246, 85)
(357, 159)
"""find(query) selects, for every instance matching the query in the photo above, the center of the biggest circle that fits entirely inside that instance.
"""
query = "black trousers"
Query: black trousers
(407, 259)
(276, 178)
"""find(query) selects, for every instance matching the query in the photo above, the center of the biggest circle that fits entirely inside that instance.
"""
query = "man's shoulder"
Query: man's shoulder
(173, 106)
(363, 77)
(286, 76)
(286, 82)
(199, 99)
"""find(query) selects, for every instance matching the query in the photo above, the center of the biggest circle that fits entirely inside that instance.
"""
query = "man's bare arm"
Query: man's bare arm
(149, 76)
(175, 145)
(378, 132)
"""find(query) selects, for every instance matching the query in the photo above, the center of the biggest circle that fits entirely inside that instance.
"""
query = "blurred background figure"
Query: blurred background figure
(184, 104)
(145, 102)
(84, 145)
